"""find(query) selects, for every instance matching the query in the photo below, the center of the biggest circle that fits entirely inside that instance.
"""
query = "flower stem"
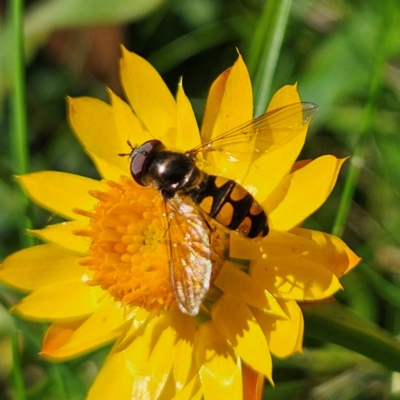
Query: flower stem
(19, 147)
(357, 160)
(265, 48)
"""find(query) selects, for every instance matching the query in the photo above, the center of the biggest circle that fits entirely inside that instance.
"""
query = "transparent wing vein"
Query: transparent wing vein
(264, 133)
(189, 254)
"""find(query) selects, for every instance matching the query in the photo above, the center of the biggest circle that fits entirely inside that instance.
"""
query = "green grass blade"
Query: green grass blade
(58, 382)
(19, 132)
(18, 129)
(265, 49)
(337, 324)
(377, 78)
(19, 391)
(193, 43)
(384, 288)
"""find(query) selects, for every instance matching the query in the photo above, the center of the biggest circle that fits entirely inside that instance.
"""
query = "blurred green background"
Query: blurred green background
(345, 56)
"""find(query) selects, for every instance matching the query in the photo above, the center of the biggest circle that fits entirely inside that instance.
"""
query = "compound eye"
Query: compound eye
(139, 160)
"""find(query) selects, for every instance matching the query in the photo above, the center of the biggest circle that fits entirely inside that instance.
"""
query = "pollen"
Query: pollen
(128, 250)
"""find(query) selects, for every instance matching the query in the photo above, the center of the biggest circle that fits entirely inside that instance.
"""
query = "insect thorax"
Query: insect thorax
(173, 172)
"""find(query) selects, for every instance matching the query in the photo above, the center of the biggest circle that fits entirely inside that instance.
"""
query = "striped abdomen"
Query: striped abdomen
(231, 205)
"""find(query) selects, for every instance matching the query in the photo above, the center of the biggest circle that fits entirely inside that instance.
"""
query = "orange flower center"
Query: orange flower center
(128, 251)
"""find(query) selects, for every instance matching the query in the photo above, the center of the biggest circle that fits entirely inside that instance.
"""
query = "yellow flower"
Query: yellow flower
(103, 275)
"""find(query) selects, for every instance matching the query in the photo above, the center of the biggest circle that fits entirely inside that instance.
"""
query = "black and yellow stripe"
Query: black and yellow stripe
(231, 205)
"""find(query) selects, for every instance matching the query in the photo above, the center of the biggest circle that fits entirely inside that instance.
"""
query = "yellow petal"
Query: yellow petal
(127, 123)
(287, 337)
(149, 97)
(38, 266)
(232, 280)
(140, 318)
(275, 165)
(63, 341)
(116, 377)
(289, 125)
(213, 105)
(93, 122)
(62, 234)
(188, 135)
(184, 328)
(295, 278)
(245, 248)
(253, 383)
(64, 300)
(331, 251)
(243, 333)
(284, 96)
(303, 193)
(150, 357)
(220, 371)
(300, 164)
(191, 391)
(237, 101)
(236, 109)
(322, 248)
(60, 192)
(60, 333)
(110, 171)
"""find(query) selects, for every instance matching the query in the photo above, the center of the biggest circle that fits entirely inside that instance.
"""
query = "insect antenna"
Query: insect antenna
(127, 154)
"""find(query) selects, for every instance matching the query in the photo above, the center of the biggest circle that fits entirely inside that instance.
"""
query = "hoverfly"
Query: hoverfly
(189, 193)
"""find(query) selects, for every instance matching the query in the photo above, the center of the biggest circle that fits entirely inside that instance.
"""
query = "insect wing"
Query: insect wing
(189, 254)
(262, 134)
